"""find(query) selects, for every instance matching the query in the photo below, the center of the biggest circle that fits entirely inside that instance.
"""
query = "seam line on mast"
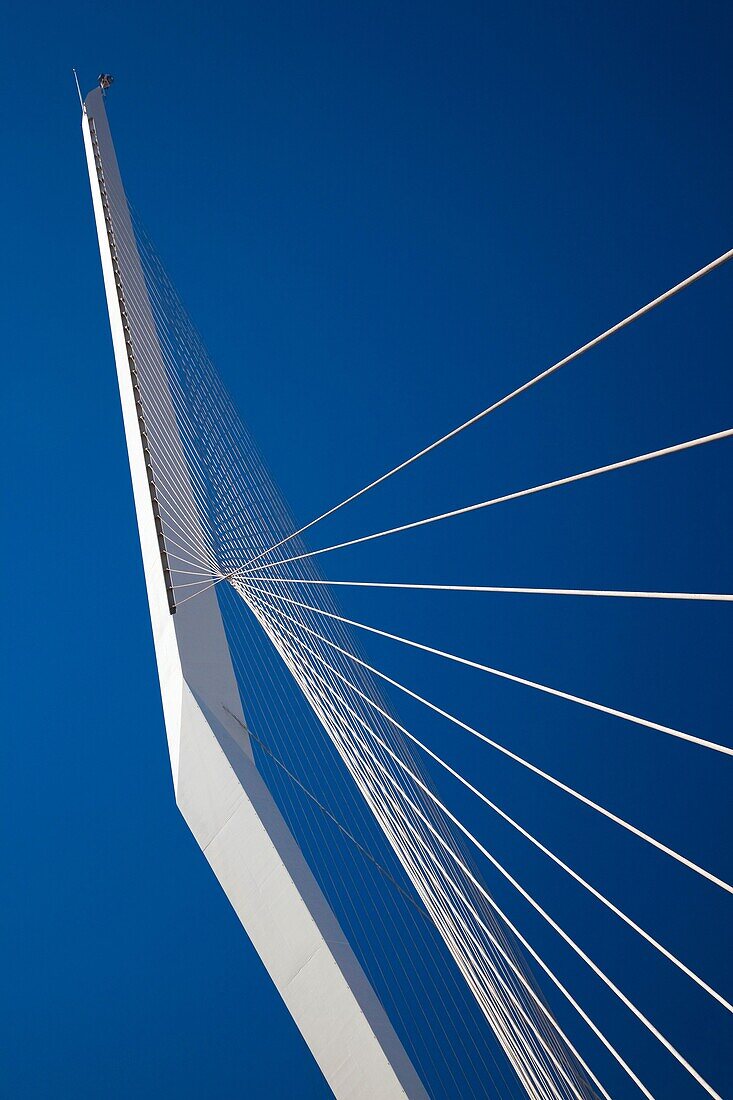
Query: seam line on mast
(149, 470)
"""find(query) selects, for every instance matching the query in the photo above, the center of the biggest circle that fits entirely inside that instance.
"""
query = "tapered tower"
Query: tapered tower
(217, 785)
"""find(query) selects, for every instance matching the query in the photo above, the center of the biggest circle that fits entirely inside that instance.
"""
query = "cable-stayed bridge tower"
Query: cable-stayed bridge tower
(318, 808)
(218, 788)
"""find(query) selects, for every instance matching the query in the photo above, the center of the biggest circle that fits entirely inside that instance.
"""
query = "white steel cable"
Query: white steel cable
(578, 950)
(710, 596)
(718, 262)
(615, 818)
(519, 828)
(554, 925)
(147, 355)
(380, 765)
(285, 718)
(445, 991)
(523, 681)
(596, 970)
(609, 468)
(545, 968)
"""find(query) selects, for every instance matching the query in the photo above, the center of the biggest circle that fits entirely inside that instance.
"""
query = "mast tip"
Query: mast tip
(105, 81)
(78, 89)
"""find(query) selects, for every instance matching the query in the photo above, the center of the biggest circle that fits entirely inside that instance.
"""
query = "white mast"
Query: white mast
(218, 789)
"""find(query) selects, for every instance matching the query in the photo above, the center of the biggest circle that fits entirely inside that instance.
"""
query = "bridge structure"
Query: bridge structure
(319, 809)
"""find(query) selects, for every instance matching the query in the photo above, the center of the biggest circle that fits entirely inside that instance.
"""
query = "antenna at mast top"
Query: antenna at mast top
(78, 89)
(105, 81)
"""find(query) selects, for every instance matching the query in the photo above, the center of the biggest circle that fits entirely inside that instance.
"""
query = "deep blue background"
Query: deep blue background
(382, 217)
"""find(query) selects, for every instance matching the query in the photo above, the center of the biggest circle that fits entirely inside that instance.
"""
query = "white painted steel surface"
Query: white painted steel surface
(218, 789)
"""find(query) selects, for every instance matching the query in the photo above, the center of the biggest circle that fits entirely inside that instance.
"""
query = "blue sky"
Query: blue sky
(381, 218)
